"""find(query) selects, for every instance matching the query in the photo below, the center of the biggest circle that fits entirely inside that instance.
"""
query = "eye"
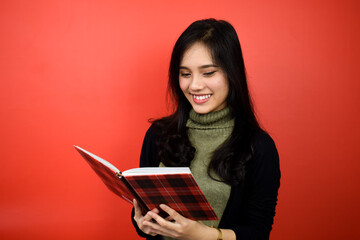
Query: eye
(208, 74)
(185, 75)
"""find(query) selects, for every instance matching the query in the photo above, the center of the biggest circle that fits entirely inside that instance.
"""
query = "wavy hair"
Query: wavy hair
(174, 147)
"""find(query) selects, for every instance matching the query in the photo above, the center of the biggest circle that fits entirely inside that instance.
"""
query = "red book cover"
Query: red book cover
(175, 187)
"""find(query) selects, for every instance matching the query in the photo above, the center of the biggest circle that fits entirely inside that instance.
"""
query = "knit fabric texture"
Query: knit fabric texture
(207, 132)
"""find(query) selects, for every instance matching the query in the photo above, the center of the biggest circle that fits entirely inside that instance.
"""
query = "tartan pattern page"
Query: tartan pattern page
(178, 191)
(107, 174)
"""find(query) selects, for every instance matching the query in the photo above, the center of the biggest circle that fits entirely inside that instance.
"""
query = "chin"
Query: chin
(201, 110)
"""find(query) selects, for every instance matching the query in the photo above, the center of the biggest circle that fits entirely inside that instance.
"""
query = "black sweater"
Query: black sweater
(250, 209)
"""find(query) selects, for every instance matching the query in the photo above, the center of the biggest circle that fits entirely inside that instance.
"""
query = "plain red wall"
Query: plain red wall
(91, 73)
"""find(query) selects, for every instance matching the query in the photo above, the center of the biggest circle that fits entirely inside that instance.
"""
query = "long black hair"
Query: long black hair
(174, 147)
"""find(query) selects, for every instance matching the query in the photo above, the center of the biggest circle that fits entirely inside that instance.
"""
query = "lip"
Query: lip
(201, 98)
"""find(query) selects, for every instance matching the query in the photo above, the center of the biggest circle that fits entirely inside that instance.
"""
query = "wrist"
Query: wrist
(209, 233)
(219, 233)
(205, 233)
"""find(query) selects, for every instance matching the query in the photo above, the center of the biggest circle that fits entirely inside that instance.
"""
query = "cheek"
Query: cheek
(221, 86)
(226, 89)
(183, 84)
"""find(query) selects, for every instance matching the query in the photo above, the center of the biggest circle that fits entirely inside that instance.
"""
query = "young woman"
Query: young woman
(214, 131)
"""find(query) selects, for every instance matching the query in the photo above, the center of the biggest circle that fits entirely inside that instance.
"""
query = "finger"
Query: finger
(169, 218)
(147, 217)
(150, 231)
(141, 222)
(161, 221)
(137, 209)
(172, 213)
(165, 233)
(139, 218)
(151, 225)
(155, 210)
(158, 229)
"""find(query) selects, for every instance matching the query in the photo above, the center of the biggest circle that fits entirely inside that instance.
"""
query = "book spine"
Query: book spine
(143, 206)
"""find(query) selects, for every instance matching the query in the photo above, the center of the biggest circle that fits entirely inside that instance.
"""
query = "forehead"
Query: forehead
(198, 54)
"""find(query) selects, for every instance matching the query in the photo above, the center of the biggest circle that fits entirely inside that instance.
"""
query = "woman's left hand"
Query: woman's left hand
(180, 228)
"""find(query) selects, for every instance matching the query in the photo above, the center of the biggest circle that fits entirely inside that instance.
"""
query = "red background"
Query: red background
(91, 73)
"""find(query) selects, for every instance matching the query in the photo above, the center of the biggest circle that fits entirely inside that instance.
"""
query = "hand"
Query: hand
(140, 219)
(179, 228)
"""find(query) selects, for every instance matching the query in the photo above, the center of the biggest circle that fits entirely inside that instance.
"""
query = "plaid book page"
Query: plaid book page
(178, 191)
(108, 174)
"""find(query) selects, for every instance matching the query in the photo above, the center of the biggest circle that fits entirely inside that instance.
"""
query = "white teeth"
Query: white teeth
(202, 97)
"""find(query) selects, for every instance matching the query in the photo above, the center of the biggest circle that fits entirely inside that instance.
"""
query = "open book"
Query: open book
(173, 186)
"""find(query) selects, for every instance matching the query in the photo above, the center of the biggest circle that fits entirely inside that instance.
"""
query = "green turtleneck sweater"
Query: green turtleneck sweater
(207, 132)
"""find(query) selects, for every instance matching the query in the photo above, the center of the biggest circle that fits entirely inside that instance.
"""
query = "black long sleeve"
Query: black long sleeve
(251, 206)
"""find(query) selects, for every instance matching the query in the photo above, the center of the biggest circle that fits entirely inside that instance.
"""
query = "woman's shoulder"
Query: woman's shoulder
(262, 140)
(149, 150)
(162, 128)
(264, 148)
(150, 132)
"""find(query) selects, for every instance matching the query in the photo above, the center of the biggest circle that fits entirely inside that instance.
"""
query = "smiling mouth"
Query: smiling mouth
(201, 98)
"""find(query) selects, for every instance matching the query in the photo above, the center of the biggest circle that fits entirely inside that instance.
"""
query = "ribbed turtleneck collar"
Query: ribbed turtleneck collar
(219, 119)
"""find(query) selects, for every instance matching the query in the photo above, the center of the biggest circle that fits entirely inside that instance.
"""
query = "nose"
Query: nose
(196, 83)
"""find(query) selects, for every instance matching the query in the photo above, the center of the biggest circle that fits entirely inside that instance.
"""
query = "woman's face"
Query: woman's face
(203, 83)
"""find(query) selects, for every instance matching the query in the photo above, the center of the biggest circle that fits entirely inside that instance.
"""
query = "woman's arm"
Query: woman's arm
(255, 202)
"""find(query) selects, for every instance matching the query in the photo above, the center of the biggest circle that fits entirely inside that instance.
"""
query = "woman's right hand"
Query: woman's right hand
(139, 218)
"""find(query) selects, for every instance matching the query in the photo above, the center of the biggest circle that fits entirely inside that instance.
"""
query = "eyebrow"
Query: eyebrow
(201, 67)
